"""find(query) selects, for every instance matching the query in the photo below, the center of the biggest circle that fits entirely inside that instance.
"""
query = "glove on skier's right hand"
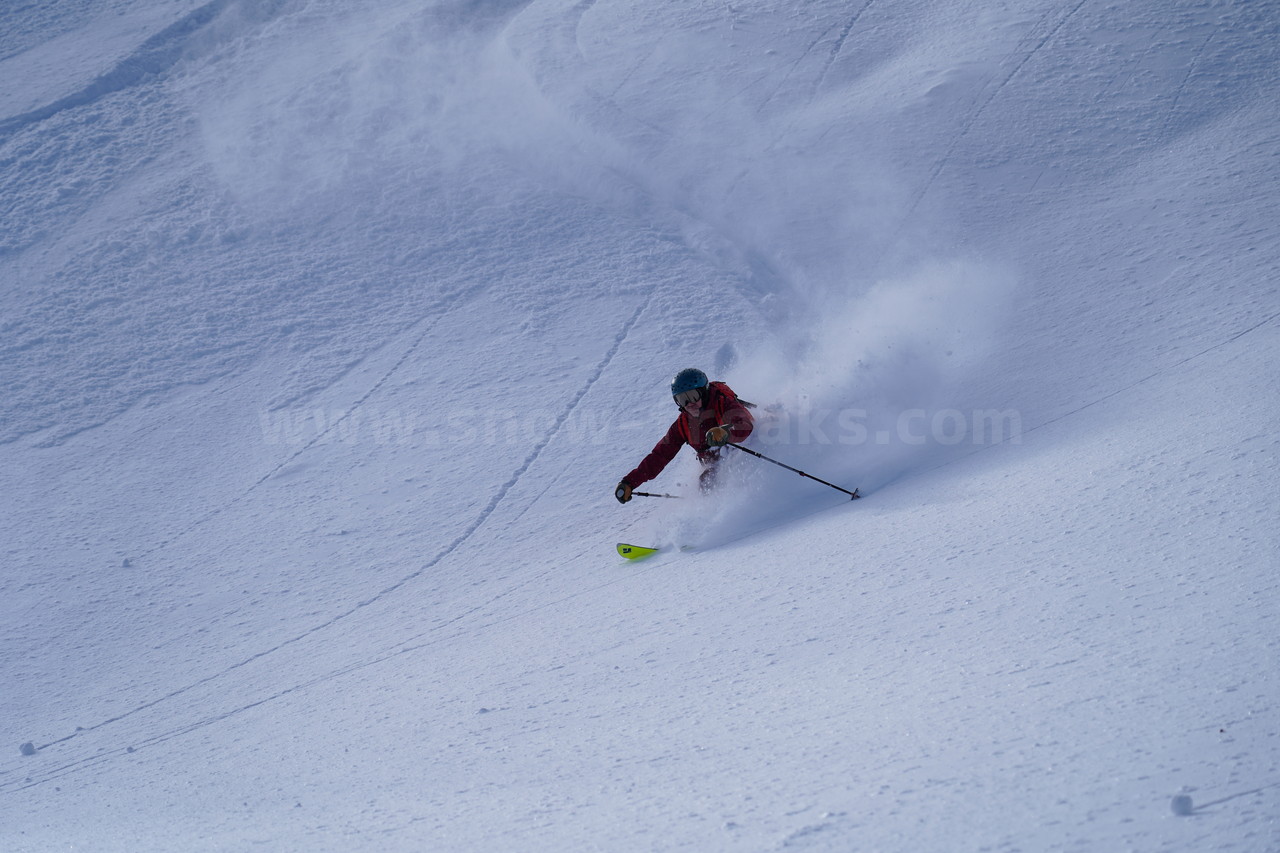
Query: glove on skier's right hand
(717, 436)
(623, 492)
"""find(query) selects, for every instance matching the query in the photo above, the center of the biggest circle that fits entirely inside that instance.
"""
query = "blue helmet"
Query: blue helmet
(687, 380)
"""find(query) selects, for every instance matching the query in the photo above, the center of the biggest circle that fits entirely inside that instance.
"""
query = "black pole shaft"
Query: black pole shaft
(852, 495)
(652, 495)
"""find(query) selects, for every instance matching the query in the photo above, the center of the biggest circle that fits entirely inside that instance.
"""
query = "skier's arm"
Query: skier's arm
(663, 452)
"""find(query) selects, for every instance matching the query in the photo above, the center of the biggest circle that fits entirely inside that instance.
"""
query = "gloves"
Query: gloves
(623, 492)
(717, 436)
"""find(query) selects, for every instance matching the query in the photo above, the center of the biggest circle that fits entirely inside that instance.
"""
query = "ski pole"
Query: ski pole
(652, 495)
(853, 496)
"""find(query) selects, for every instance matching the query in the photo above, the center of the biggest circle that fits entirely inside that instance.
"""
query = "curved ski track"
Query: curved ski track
(315, 440)
(32, 779)
(972, 118)
(837, 48)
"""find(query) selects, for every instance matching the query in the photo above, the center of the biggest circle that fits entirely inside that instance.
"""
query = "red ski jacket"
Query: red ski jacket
(721, 408)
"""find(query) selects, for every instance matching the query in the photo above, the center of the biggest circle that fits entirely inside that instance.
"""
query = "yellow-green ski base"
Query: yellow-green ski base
(635, 552)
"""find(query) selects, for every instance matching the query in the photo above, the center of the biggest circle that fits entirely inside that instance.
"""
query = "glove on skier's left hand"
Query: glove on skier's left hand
(717, 436)
(623, 492)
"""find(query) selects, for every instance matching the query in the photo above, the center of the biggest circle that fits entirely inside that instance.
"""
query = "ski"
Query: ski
(639, 552)
(635, 552)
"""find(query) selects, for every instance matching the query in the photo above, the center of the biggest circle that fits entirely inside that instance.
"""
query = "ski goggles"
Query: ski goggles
(684, 398)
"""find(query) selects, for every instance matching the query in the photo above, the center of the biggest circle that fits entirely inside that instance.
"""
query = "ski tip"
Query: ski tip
(635, 552)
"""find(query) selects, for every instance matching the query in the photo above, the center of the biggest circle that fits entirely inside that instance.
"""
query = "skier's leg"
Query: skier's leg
(707, 479)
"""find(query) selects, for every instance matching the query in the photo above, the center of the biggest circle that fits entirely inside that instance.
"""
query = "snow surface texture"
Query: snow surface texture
(328, 329)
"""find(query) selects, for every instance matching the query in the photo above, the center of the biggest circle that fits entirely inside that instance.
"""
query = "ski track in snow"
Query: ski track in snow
(316, 439)
(836, 49)
(449, 549)
(1172, 112)
(782, 132)
(820, 78)
(794, 65)
(410, 646)
(231, 504)
(974, 114)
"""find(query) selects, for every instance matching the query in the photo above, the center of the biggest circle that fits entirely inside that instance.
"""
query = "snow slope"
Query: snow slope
(329, 327)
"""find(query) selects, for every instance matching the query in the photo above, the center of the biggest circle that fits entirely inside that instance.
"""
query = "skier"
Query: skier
(711, 416)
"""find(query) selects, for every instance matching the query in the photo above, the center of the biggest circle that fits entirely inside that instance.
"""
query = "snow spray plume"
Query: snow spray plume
(760, 183)
(362, 100)
(861, 334)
